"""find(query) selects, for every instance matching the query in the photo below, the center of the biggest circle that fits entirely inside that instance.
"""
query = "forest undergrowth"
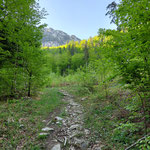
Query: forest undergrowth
(112, 116)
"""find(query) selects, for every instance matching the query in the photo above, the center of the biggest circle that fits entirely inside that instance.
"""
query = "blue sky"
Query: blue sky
(82, 18)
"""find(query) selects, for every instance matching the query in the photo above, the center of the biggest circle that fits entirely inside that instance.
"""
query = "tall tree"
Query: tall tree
(131, 48)
(111, 10)
(19, 27)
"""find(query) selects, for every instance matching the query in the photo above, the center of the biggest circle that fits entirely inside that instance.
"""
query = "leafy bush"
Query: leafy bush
(124, 133)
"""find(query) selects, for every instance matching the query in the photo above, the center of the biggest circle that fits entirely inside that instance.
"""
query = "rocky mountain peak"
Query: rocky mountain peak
(54, 37)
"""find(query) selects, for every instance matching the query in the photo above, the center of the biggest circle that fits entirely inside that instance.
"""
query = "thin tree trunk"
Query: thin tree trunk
(29, 85)
(144, 112)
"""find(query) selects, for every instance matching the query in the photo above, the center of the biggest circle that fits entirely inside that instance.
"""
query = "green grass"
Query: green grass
(21, 120)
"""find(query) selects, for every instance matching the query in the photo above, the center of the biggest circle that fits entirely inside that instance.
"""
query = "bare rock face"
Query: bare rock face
(53, 37)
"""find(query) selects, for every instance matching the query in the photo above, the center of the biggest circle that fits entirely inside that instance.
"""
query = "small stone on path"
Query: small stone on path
(46, 129)
(41, 134)
(86, 131)
(58, 118)
(21, 126)
(84, 98)
(56, 147)
(84, 145)
(74, 127)
(71, 148)
(97, 148)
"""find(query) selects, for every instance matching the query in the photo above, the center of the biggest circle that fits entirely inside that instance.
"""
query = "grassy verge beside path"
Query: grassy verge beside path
(21, 120)
(109, 119)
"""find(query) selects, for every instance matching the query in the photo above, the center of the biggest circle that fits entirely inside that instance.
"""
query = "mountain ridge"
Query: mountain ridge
(52, 37)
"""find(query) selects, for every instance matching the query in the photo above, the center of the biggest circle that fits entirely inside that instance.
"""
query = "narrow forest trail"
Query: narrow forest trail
(68, 132)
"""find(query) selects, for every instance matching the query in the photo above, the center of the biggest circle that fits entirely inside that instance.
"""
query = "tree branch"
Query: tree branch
(137, 142)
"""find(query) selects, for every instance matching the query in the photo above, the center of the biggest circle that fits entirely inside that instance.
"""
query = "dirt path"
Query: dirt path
(68, 132)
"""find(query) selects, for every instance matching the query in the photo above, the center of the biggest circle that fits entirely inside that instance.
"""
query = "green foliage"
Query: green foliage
(77, 61)
(21, 59)
(144, 144)
(124, 133)
(130, 51)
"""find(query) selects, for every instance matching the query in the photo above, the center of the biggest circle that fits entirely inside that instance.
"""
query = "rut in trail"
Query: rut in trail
(69, 132)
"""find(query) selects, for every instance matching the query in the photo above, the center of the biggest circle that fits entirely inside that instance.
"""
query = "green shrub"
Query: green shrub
(124, 133)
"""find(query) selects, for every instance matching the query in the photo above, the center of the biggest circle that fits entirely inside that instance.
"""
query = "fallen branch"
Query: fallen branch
(65, 142)
(137, 142)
